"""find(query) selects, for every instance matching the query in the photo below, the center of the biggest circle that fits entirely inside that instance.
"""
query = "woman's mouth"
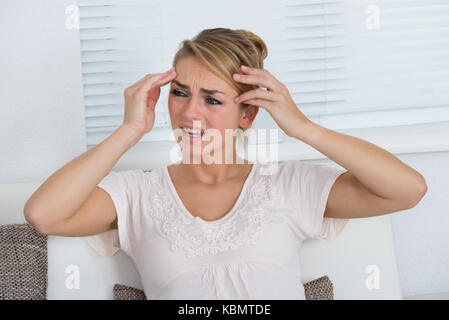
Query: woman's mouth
(192, 134)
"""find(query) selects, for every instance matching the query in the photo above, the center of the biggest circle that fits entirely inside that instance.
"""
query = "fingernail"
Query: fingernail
(237, 76)
(245, 67)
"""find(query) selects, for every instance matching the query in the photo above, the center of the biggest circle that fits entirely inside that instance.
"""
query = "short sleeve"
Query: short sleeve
(127, 189)
(309, 186)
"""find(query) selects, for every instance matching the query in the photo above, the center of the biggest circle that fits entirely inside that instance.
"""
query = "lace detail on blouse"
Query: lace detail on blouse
(242, 228)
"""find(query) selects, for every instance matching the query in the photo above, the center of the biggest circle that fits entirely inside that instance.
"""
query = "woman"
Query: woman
(219, 230)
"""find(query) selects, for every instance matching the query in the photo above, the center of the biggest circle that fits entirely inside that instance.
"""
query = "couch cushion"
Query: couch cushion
(318, 289)
(122, 292)
(23, 263)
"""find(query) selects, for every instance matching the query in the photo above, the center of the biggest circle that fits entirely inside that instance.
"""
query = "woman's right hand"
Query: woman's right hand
(141, 98)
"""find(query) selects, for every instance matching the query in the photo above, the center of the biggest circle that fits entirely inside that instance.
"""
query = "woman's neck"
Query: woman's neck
(214, 173)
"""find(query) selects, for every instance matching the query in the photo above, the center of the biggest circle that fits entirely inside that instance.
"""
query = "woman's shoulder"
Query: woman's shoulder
(278, 168)
(287, 167)
(132, 178)
(284, 173)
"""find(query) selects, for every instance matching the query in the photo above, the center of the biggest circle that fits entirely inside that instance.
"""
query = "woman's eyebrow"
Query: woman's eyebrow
(184, 86)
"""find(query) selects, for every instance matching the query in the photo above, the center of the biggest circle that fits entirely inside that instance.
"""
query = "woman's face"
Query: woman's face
(200, 99)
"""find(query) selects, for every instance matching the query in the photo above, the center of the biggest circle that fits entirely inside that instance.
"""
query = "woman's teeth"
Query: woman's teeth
(193, 132)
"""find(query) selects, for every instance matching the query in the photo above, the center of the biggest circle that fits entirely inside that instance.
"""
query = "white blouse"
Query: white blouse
(250, 253)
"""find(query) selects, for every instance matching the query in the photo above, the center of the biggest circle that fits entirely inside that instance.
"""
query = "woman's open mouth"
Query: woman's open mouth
(192, 134)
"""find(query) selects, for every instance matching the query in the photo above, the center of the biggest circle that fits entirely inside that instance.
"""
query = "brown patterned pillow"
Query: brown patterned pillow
(318, 289)
(23, 263)
(122, 292)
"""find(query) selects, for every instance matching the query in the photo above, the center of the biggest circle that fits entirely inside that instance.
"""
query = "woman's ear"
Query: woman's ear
(247, 115)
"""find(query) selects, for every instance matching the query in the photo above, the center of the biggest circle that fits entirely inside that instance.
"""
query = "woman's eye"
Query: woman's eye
(175, 92)
(212, 99)
(209, 100)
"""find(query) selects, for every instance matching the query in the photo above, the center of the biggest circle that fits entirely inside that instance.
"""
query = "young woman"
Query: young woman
(226, 229)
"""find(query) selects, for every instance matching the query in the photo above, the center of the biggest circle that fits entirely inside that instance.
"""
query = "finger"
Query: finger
(260, 103)
(264, 74)
(139, 83)
(256, 93)
(262, 80)
(249, 70)
(156, 81)
(165, 80)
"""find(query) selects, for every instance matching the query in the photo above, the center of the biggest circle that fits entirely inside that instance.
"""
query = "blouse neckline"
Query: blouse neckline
(227, 216)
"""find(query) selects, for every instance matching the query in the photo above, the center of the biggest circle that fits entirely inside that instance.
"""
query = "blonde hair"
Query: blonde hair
(223, 51)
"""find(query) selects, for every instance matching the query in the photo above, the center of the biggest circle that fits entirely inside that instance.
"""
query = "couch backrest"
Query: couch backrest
(360, 262)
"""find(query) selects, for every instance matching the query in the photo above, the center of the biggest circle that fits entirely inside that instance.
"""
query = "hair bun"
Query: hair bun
(256, 41)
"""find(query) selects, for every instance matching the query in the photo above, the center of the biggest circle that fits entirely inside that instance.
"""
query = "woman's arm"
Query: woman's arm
(376, 182)
(61, 195)
(65, 191)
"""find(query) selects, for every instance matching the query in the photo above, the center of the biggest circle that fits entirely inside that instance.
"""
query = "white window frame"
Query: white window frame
(418, 138)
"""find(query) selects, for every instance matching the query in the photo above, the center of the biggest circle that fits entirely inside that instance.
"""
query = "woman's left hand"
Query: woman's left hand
(276, 100)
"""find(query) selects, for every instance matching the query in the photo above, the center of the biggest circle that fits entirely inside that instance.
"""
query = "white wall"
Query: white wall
(42, 128)
(421, 233)
(41, 105)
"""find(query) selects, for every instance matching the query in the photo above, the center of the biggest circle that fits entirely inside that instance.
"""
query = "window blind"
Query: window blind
(362, 64)
(122, 41)
(397, 74)
(347, 64)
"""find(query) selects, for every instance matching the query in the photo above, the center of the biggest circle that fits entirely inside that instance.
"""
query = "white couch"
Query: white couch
(346, 259)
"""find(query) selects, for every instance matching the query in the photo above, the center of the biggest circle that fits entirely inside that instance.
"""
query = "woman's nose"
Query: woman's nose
(192, 108)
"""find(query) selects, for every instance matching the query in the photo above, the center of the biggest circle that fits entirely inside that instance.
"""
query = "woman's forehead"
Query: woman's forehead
(192, 75)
